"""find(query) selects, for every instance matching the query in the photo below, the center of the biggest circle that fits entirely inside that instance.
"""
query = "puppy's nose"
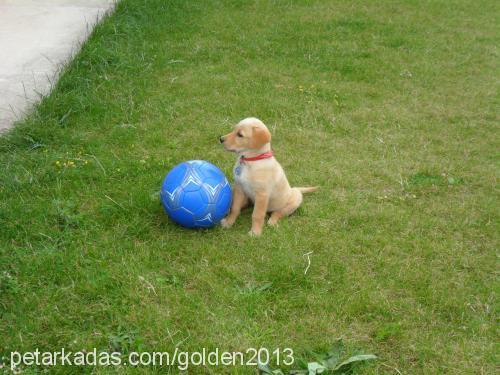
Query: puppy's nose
(221, 139)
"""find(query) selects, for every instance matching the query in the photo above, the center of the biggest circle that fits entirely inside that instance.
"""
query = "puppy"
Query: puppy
(258, 177)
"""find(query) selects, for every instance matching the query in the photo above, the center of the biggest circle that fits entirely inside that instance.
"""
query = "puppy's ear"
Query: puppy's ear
(260, 136)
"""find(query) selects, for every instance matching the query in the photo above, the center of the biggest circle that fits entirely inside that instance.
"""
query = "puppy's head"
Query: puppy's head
(249, 134)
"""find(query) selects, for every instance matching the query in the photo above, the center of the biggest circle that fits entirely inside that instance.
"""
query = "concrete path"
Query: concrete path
(36, 37)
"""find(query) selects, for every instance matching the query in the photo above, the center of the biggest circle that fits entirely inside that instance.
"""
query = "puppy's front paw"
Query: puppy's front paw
(226, 223)
(255, 232)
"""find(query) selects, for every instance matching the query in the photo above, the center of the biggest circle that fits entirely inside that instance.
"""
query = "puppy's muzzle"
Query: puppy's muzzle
(221, 139)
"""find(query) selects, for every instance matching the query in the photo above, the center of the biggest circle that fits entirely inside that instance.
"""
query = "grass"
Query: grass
(390, 106)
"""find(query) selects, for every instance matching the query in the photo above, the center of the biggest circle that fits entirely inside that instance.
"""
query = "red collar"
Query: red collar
(265, 155)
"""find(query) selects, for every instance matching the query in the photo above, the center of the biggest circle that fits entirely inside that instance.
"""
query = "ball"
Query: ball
(196, 194)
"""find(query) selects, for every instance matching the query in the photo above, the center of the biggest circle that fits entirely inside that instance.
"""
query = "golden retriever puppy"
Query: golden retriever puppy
(258, 177)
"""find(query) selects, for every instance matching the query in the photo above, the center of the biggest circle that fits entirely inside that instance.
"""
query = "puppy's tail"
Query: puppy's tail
(308, 189)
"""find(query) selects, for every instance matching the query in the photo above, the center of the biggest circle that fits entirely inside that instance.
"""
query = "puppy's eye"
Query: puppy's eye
(239, 134)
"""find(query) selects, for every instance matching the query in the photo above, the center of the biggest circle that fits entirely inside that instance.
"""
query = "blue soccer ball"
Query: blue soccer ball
(196, 194)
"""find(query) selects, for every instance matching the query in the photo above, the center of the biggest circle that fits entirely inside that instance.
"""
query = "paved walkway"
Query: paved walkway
(36, 37)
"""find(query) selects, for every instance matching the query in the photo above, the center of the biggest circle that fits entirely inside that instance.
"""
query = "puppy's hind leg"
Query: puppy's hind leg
(292, 204)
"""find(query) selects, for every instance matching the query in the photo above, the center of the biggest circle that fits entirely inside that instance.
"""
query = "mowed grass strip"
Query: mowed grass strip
(391, 107)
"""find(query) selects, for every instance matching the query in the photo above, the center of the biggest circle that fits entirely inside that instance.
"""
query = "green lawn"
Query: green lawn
(391, 107)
